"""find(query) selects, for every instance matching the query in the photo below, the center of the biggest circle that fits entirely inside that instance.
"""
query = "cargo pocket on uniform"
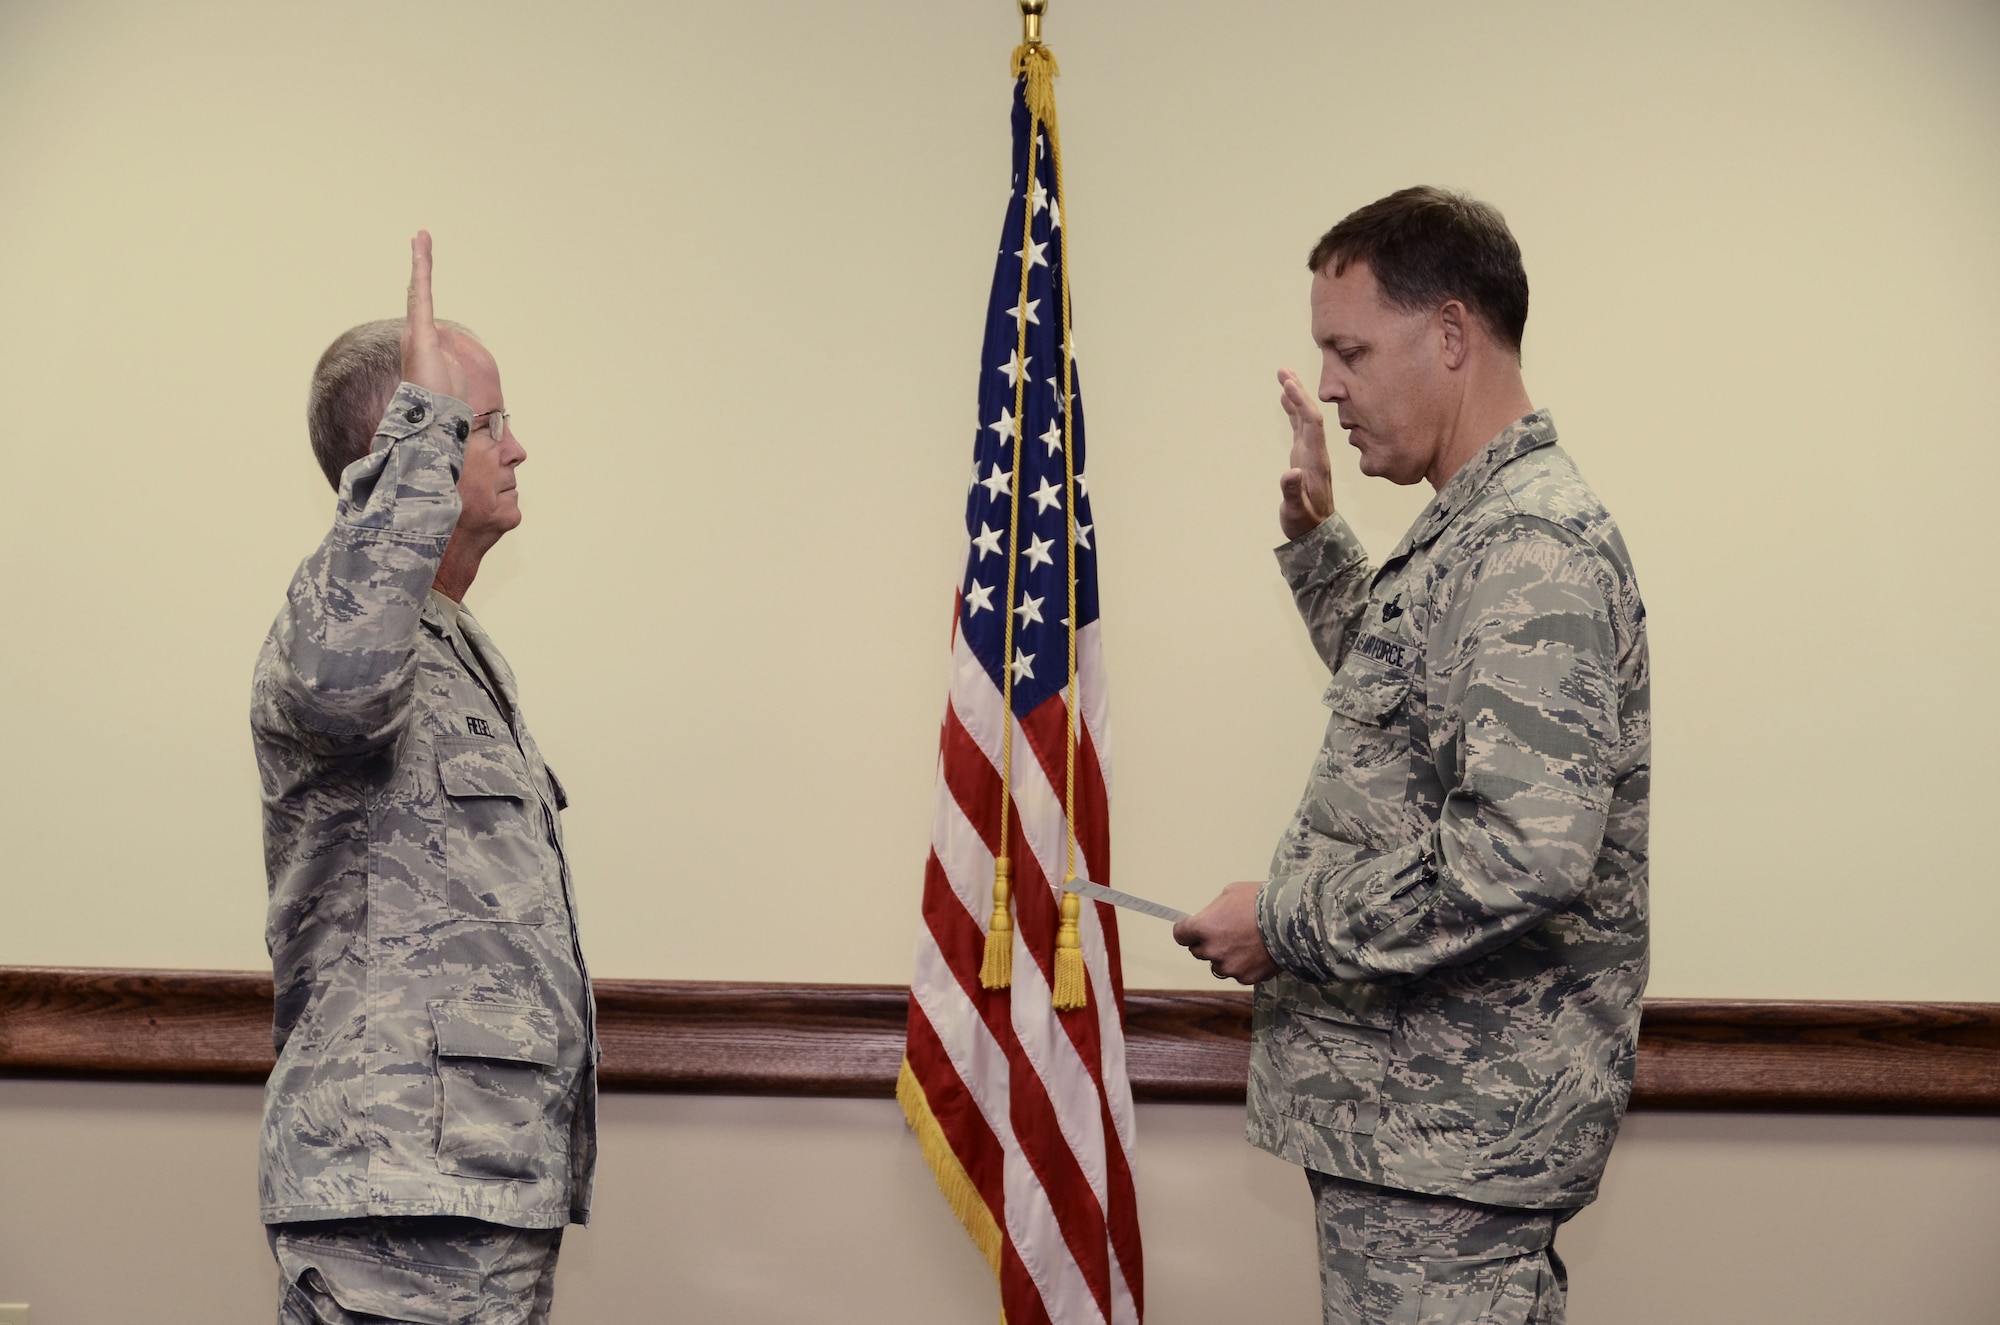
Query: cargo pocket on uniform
(1366, 692)
(1335, 1070)
(338, 1287)
(1361, 781)
(500, 1091)
(496, 859)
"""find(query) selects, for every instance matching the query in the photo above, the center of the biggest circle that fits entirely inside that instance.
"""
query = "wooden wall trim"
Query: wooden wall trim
(767, 1039)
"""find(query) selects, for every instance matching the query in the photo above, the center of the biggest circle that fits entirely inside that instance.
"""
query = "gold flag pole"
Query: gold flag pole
(1031, 21)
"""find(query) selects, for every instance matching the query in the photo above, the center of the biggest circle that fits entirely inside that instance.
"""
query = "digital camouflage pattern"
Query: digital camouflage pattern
(446, 1271)
(1390, 1258)
(1459, 906)
(435, 1032)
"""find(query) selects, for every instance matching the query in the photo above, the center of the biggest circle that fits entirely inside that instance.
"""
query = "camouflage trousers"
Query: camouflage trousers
(1399, 1258)
(421, 1271)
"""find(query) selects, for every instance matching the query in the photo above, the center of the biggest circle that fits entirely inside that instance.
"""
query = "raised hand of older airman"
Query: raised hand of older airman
(430, 359)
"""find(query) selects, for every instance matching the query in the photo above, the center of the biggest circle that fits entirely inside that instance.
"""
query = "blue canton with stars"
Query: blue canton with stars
(1040, 661)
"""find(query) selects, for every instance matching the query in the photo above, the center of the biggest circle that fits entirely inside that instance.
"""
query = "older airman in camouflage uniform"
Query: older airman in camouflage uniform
(1450, 946)
(429, 1127)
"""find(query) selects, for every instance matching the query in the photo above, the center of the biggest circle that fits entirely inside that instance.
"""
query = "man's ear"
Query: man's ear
(1452, 322)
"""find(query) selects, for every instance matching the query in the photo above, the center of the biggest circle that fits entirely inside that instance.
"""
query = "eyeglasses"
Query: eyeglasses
(496, 423)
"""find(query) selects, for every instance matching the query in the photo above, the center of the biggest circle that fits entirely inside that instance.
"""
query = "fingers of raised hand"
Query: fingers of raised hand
(429, 356)
(420, 313)
(1297, 399)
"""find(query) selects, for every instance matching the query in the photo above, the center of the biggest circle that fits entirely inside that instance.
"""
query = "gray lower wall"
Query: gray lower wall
(127, 1202)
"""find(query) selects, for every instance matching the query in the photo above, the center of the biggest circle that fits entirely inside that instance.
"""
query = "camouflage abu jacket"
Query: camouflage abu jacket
(1459, 906)
(435, 1034)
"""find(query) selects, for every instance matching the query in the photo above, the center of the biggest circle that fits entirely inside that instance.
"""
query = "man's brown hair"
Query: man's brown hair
(1427, 245)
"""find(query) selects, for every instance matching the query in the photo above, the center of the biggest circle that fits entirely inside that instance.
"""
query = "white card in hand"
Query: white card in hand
(1098, 892)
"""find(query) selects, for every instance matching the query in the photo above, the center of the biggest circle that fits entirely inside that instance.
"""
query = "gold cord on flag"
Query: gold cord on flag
(996, 968)
(1036, 64)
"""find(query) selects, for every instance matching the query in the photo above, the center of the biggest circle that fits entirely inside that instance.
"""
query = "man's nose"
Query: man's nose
(1332, 390)
(516, 454)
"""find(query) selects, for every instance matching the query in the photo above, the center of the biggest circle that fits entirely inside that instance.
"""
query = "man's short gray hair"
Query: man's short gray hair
(351, 389)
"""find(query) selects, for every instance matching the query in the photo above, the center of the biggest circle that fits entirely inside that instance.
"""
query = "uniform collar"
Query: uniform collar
(455, 623)
(441, 611)
(489, 655)
(1530, 432)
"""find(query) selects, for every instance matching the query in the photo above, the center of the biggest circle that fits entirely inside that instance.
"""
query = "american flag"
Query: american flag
(1019, 1097)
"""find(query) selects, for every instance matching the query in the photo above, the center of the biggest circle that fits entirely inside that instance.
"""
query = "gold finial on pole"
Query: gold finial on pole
(1031, 21)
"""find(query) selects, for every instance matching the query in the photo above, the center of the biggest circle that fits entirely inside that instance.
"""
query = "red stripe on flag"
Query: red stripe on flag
(974, 783)
(1037, 916)
(1124, 1221)
(1093, 812)
(1020, 1300)
(1092, 1232)
(1046, 730)
(1032, 1112)
(958, 1116)
(962, 942)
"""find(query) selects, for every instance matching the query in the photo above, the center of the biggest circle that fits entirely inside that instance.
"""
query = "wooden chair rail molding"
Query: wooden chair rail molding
(766, 1039)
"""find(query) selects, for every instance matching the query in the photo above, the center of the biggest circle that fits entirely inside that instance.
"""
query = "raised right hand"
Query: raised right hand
(429, 357)
(1307, 487)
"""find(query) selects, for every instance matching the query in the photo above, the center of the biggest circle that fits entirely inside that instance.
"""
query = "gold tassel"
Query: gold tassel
(996, 971)
(1038, 62)
(1071, 990)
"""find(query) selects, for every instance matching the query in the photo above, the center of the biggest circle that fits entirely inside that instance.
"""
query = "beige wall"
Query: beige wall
(733, 259)
(779, 1211)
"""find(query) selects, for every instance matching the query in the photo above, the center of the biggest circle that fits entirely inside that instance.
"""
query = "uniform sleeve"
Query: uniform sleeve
(1329, 574)
(338, 672)
(1527, 766)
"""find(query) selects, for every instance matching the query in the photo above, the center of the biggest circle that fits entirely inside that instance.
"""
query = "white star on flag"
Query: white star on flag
(1083, 536)
(1046, 496)
(979, 597)
(1026, 310)
(1038, 196)
(1030, 609)
(1023, 666)
(998, 484)
(1014, 367)
(1005, 425)
(1037, 552)
(1053, 437)
(1032, 254)
(988, 540)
